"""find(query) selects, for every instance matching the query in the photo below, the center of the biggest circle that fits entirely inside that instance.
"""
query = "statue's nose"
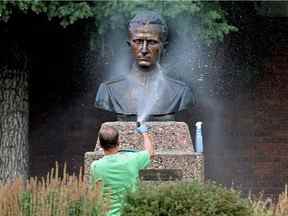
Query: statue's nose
(144, 49)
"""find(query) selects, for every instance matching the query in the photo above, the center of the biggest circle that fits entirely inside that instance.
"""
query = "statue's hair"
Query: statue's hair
(108, 137)
(145, 17)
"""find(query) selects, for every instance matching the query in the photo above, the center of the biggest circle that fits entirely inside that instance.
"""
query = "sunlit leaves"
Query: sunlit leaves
(67, 11)
(212, 23)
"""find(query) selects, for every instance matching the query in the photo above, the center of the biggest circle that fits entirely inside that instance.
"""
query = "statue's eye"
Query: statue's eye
(152, 42)
(137, 41)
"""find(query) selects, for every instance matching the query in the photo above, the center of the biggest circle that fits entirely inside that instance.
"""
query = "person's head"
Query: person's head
(147, 35)
(108, 137)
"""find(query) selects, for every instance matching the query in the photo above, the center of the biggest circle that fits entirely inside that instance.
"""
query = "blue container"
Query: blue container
(199, 137)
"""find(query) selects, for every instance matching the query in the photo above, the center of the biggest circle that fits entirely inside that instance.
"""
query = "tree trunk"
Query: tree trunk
(14, 117)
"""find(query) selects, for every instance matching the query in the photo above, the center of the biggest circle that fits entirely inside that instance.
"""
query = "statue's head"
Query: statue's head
(147, 35)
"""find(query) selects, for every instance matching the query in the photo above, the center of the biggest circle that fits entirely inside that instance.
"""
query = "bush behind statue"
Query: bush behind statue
(186, 199)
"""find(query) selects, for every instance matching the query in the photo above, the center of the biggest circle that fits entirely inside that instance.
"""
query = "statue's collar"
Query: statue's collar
(144, 77)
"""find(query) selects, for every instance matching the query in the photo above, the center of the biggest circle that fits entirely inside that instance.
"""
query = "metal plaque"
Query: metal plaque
(161, 174)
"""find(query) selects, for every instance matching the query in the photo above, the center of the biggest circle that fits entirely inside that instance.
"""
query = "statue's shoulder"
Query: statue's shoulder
(175, 82)
(115, 81)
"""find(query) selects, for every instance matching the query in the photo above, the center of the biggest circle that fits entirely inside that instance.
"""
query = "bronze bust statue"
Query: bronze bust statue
(145, 92)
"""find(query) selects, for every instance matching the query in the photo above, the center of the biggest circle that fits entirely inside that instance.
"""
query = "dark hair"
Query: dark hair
(149, 17)
(108, 137)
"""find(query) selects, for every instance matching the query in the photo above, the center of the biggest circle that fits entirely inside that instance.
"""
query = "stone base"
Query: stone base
(174, 158)
(190, 165)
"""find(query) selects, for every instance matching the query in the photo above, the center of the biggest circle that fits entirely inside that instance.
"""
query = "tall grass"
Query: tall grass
(282, 205)
(265, 207)
(53, 196)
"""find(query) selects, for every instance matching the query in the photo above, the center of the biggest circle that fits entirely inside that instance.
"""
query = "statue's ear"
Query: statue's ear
(129, 43)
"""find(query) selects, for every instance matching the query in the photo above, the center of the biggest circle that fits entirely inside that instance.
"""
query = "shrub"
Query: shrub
(53, 196)
(186, 199)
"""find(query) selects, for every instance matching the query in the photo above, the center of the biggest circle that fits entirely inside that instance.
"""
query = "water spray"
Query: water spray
(141, 118)
(147, 102)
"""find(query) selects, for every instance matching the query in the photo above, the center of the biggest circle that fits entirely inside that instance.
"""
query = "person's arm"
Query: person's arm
(148, 145)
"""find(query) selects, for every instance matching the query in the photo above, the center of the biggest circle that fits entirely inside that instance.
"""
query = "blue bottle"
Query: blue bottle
(199, 137)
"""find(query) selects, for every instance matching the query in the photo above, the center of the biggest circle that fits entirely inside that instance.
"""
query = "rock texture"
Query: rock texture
(174, 150)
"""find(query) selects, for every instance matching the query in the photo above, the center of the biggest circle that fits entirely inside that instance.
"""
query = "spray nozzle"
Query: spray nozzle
(138, 124)
(141, 128)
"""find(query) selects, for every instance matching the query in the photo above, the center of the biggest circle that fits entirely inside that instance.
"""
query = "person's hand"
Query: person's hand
(142, 129)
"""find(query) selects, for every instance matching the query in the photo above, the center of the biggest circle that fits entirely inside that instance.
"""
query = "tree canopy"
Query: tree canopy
(68, 12)
(213, 25)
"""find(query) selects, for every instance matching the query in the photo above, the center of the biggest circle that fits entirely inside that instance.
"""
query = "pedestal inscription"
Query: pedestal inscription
(161, 174)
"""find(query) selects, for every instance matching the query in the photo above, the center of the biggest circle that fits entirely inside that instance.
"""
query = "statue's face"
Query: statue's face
(145, 44)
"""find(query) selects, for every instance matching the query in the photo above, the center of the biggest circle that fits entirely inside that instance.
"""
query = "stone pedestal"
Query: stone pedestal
(175, 158)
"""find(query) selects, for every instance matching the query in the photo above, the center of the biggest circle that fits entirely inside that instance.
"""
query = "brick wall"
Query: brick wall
(247, 139)
(269, 152)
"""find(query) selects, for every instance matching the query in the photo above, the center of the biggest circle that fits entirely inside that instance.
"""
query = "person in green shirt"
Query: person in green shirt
(119, 171)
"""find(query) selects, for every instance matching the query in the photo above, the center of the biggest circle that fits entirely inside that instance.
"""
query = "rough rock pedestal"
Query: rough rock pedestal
(175, 158)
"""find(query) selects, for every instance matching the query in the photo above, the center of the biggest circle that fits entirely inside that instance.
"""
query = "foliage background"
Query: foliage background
(211, 16)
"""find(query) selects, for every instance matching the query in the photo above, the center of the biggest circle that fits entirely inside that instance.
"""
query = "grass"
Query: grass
(53, 196)
(266, 207)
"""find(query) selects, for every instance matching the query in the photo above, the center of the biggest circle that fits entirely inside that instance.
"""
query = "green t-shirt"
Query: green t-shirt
(119, 174)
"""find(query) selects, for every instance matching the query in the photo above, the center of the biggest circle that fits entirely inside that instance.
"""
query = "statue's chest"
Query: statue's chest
(138, 94)
(156, 97)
